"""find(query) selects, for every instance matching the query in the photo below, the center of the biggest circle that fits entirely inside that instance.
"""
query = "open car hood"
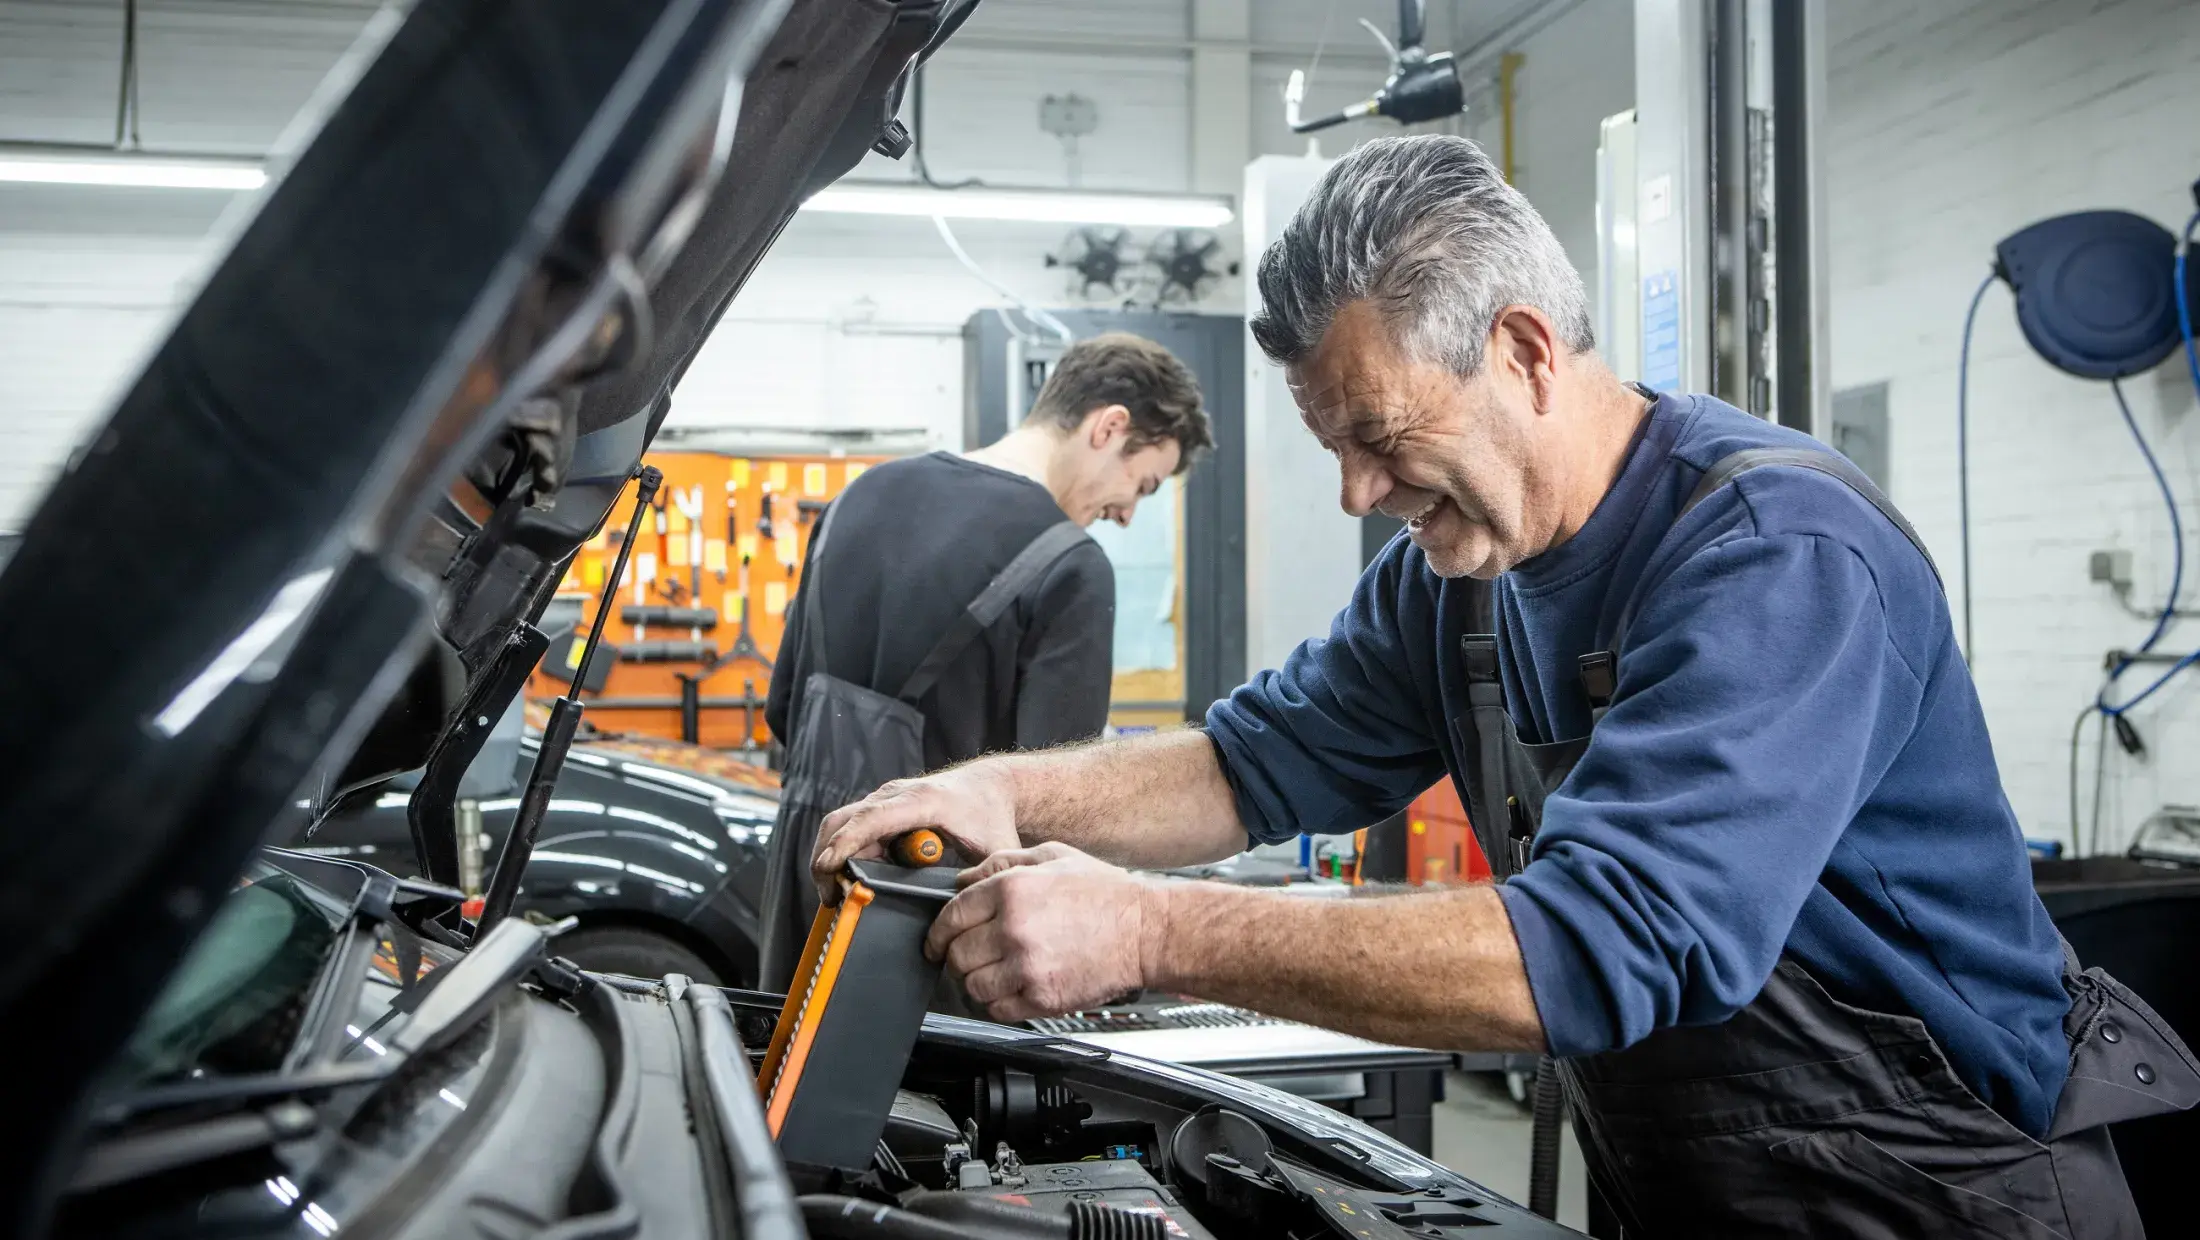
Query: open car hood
(305, 550)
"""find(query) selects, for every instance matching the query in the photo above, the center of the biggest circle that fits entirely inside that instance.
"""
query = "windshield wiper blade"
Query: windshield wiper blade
(303, 1083)
(136, 1155)
(496, 961)
(382, 899)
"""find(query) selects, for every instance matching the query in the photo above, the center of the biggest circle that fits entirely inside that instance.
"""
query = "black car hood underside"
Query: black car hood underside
(260, 568)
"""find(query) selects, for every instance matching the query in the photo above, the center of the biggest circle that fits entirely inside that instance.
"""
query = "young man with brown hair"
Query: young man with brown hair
(953, 605)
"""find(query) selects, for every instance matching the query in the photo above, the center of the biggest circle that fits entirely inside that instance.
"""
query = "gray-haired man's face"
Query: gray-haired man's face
(1448, 456)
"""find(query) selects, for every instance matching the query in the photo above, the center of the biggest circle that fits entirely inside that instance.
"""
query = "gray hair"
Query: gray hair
(1427, 229)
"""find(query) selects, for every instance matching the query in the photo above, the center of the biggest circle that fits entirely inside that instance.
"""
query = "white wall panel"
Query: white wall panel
(1332, 23)
(77, 318)
(214, 75)
(982, 119)
(1055, 20)
(1574, 73)
(1951, 126)
(58, 69)
(1452, 24)
(851, 324)
(191, 97)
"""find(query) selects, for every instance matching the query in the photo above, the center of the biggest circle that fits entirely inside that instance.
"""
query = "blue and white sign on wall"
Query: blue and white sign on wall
(1661, 332)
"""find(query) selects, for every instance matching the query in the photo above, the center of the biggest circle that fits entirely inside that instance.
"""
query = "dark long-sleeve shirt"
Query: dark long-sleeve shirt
(913, 542)
(1795, 760)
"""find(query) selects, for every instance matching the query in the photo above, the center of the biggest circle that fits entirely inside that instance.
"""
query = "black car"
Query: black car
(342, 491)
(659, 861)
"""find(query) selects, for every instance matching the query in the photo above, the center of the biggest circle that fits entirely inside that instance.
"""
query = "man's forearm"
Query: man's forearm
(1439, 969)
(1154, 802)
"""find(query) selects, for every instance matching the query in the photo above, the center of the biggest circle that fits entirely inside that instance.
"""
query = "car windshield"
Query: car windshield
(279, 953)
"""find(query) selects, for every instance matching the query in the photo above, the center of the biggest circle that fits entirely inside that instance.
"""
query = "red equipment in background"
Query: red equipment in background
(1440, 844)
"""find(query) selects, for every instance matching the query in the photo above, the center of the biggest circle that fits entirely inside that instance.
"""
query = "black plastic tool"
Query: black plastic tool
(851, 1019)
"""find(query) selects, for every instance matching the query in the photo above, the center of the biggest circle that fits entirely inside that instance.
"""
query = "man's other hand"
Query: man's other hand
(1042, 931)
(974, 806)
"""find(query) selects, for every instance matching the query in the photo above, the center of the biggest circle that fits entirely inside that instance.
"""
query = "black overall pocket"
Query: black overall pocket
(847, 741)
(1855, 1187)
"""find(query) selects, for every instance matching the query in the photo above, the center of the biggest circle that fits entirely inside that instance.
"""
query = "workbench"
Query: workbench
(1390, 1088)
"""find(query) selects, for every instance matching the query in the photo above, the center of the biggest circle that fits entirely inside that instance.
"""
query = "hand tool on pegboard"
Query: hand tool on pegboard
(690, 504)
(667, 584)
(744, 642)
(733, 528)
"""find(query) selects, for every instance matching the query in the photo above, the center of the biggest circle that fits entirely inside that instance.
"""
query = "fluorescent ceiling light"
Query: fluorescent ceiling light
(1035, 205)
(127, 168)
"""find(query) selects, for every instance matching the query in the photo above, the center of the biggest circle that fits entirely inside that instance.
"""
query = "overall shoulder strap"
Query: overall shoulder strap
(1600, 669)
(1833, 464)
(1006, 587)
(1496, 815)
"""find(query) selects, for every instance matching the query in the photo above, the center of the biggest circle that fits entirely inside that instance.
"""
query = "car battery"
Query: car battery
(849, 1024)
(1052, 1188)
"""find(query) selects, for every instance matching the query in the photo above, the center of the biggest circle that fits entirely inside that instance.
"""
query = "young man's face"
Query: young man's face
(1107, 475)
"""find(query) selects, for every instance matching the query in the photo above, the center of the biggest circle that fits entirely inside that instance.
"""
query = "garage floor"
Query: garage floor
(1481, 1134)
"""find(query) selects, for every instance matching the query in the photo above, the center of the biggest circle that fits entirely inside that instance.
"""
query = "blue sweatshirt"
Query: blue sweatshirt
(1795, 760)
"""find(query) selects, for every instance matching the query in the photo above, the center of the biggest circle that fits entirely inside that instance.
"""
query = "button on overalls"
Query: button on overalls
(1804, 1115)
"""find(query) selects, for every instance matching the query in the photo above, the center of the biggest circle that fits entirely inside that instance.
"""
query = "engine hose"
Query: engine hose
(1090, 1220)
(850, 1218)
(976, 1215)
(966, 1216)
(1543, 1144)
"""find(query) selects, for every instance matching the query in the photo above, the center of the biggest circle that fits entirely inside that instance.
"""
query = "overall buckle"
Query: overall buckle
(1599, 677)
(1519, 834)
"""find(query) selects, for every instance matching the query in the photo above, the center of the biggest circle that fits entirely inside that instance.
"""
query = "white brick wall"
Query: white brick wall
(1951, 125)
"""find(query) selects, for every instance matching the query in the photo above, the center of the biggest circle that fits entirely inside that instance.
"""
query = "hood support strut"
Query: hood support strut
(557, 736)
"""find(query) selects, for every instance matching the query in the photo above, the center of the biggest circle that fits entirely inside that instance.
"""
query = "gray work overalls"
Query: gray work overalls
(1804, 1115)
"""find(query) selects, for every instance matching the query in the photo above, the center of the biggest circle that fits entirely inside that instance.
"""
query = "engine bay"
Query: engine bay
(1031, 1136)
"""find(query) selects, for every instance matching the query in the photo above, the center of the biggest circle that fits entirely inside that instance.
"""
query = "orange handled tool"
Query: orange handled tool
(917, 849)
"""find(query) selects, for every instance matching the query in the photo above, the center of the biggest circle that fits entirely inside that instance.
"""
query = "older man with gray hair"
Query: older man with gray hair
(1762, 897)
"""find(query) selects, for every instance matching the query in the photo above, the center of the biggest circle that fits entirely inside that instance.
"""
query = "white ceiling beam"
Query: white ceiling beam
(1146, 47)
(1222, 94)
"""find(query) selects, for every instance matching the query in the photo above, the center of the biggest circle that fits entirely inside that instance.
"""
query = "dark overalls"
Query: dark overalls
(1804, 1115)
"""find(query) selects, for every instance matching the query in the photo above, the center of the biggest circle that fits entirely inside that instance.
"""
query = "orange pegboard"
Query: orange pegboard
(1440, 843)
(690, 555)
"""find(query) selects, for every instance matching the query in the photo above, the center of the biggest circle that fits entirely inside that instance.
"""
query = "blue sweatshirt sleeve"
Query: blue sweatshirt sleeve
(1338, 738)
(1759, 701)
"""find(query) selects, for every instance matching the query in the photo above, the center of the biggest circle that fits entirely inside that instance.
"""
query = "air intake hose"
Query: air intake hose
(1090, 1220)
(1543, 1140)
